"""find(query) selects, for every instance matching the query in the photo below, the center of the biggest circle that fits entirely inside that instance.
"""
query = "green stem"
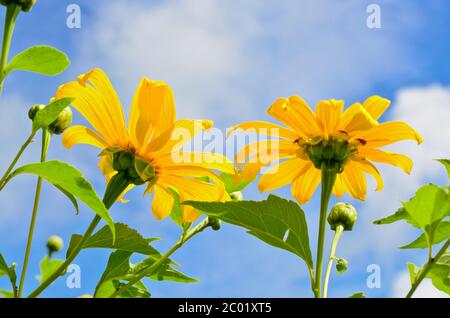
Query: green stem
(328, 178)
(337, 236)
(12, 11)
(115, 187)
(426, 268)
(4, 178)
(150, 269)
(46, 136)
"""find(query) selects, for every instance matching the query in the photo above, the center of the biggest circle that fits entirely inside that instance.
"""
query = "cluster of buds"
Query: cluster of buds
(60, 124)
(136, 170)
(25, 5)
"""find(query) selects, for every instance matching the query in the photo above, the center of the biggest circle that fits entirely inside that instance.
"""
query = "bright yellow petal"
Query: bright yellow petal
(152, 112)
(191, 189)
(305, 185)
(282, 174)
(339, 188)
(354, 181)
(295, 113)
(82, 135)
(376, 106)
(387, 133)
(328, 114)
(97, 101)
(189, 214)
(260, 150)
(401, 161)
(355, 118)
(266, 129)
(214, 161)
(162, 202)
(369, 168)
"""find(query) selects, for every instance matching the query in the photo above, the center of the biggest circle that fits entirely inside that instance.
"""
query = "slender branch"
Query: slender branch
(337, 236)
(12, 11)
(4, 179)
(150, 269)
(46, 136)
(426, 268)
(328, 179)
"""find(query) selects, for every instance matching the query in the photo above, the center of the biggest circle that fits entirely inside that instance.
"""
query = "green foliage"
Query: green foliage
(231, 183)
(440, 273)
(446, 163)
(400, 215)
(358, 295)
(47, 115)
(9, 271)
(48, 266)
(127, 239)
(40, 59)
(441, 233)
(276, 221)
(64, 176)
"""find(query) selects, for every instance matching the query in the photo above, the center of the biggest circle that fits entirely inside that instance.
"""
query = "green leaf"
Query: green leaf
(70, 197)
(127, 239)
(164, 272)
(233, 184)
(399, 215)
(413, 270)
(430, 204)
(276, 221)
(62, 175)
(446, 163)
(48, 266)
(440, 273)
(10, 271)
(50, 113)
(40, 59)
(441, 233)
(358, 295)
(6, 293)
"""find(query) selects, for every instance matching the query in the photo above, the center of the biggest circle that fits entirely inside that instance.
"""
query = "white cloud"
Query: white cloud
(425, 289)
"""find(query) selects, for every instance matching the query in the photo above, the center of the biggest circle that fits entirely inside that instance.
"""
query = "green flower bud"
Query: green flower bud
(136, 170)
(54, 244)
(342, 214)
(214, 223)
(62, 122)
(341, 265)
(123, 160)
(34, 109)
(26, 4)
(236, 196)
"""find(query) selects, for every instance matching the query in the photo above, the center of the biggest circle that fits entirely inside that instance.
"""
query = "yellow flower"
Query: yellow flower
(343, 140)
(151, 141)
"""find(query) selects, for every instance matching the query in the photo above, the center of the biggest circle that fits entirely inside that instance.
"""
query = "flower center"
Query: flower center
(137, 170)
(335, 151)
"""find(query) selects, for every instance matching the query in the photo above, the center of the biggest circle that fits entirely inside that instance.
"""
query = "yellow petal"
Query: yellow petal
(328, 114)
(261, 150)
(97, 101)
(162, 202)
(152, 112)
(401, 161)
(266, 129)
(387, 133)
(339, 188)
(82, 135)
(295, 113)
(106, 166)
(208, 160)
(305, 185)
(191, 189)
(376, 106)
(282, 174)
(368, 167)
(354, 181)
(355, 118)
(189, 214)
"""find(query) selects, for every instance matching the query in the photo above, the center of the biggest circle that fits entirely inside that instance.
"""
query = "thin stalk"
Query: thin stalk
(150, 269)
(46, 136)
(426, 268)
(115, 187)
(328, 179)
(337, 236)
(12, 11)
(4, 178)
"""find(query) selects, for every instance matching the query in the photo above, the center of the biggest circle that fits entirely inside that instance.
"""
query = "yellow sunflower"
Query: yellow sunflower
(343, 141)
(149, 150)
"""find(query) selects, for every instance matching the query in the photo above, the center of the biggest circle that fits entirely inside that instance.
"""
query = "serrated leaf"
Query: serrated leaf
(48, 266)
(441, 233)
(446, 163)
(71, 180)
(430, 204)
(358, 295)
(399, 215)
(47, 115)
(276, 221)
(40, 59)
(127, 239)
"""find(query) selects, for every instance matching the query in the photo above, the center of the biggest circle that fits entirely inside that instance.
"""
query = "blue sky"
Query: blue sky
(228, 61)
